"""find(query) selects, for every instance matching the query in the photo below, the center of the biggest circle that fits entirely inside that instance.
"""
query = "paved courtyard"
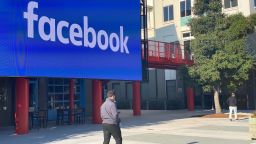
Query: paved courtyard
(154, 127)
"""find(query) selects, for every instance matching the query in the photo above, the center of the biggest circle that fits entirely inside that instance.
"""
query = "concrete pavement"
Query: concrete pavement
(153, 127)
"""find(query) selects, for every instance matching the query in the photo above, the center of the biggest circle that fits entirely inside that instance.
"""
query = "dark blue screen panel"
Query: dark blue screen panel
(96, 39)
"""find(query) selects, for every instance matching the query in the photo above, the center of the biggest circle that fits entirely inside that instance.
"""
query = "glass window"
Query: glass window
(66, 97)
(182, 9)
(171, 12)
(77, 97)
(230, 3)
(188, 7)
(187, 45)
(142, 22)
(186, 35)
(185, 8)
(168, 13)
(165, 13)
(234, 3)
(254, 3)
(58, 93)
(227, 3)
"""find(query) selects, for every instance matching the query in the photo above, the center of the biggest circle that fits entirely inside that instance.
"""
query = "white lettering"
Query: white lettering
(105, 36)
(77, 35)
(31, 17)
(73, 34)
(51, 22)
(86, 34)
(123, 41)
(111, 42)
(60, 27)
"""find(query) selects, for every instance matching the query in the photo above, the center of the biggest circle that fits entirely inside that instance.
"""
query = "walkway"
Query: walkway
(154, 127)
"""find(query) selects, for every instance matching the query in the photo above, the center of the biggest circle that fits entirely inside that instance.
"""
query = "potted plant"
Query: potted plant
(252, 126)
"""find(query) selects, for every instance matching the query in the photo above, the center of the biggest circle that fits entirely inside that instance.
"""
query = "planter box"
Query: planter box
(252, 127)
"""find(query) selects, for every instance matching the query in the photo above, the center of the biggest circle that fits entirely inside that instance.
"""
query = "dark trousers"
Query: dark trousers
(114, 130)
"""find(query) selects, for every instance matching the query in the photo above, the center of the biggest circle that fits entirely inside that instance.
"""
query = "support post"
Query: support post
(97, 101)
(136, 99)
(190, 99)
(22, 106)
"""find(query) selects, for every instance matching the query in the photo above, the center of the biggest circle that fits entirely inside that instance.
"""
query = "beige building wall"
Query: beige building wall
(173, 29)
(159, 15)
(176, 23)
(246, 7)
(150, 20)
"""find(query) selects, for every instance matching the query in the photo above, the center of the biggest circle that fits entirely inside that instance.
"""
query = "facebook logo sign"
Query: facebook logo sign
(96, 39)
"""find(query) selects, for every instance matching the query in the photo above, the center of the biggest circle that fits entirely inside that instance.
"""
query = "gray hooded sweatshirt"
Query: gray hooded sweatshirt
(109, 113)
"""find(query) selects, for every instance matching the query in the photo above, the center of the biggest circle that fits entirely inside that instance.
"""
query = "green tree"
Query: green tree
(219, 48)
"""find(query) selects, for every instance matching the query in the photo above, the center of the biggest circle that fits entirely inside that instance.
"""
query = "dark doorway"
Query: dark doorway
(6, 102)
(171, 89)
(33, 93)
(129, 94)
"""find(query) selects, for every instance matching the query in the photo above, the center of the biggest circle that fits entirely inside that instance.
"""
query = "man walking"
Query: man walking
(232, 106)
(110, 119)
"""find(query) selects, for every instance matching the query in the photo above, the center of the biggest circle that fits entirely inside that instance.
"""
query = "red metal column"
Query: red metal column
(190, 99)
(136, 99)
(22, 106)
(71, 100)
(97, 101)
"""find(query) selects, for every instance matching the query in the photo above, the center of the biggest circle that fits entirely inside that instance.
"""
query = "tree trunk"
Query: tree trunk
(217, 102)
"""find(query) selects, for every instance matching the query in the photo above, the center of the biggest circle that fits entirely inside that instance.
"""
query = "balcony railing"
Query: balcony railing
(167, 55)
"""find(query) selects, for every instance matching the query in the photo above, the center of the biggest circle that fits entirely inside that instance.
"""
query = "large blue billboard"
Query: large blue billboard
(96, 39)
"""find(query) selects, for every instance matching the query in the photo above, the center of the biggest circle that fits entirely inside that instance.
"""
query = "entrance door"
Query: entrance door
(33, 93)
(171, 89)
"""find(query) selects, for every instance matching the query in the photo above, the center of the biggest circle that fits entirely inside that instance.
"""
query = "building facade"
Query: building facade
(167, 22)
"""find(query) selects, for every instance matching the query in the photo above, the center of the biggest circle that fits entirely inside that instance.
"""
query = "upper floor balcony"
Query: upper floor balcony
(167, 55)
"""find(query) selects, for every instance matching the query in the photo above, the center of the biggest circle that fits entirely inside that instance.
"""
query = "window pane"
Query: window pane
(58, 105)
(188, 7)
(51, 98)
(77, 97)
(66, 89)
(187, 45)
(77, 104)
(58, 97)
(50, 81)
(66, 105)
(59, 81)
(234, 3)
(171, 12)
(50, 89)
(165, 13)
(186, 35)
(227, 3)
(142, 22)
(58, 93)
(59, 89)
(182, 9)
(255, 3)
(66, 81)
(66, 97)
